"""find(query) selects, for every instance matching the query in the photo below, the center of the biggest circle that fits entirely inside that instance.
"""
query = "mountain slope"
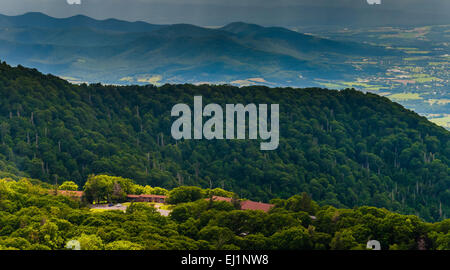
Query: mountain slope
(273, 37)
(40, 20)
(119, 52)
(345, 148)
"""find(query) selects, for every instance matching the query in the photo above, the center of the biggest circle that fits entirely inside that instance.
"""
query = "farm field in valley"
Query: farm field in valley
(418, 78)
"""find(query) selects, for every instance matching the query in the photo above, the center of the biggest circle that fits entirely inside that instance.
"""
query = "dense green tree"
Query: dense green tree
(185, 194)
(68, 185)
(32, 218)
(343, 240)
(100, 188)
(296, 238)
(90, 242)
(123, 245)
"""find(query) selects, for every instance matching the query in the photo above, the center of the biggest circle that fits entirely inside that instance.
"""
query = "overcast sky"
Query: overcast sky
(217, 12)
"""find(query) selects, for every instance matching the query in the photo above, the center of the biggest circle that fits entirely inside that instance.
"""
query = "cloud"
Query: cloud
(74, 2)
(374, 2)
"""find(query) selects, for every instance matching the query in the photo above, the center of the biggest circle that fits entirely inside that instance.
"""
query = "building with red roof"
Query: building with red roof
(250, 205)
(247, 204)
(221, 199)
(147, 198)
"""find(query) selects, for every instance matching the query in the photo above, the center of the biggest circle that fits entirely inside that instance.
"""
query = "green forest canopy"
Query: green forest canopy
(344, 148)
(32, 218)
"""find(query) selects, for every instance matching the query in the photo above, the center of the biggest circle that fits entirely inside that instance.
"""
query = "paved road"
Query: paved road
(124, 208)
(164, 212)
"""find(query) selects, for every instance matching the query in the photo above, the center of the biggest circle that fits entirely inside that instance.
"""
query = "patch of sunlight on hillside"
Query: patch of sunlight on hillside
(438, 101)
(127, 79)
(259, 80)
(442, 121)
(250, 81)
(152, 80)
(405, 96)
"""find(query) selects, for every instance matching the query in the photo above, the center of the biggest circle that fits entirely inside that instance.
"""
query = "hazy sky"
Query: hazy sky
(219, 12)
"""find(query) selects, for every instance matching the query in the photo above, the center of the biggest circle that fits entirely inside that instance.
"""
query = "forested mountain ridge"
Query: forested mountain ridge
(345, 148)
(40, 20)
(120, 52)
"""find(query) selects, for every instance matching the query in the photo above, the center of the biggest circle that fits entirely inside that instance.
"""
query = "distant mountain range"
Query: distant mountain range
(82, 49)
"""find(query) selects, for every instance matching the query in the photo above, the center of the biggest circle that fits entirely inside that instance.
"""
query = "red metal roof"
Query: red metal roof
(147, 196)
(246, 205)
(250, 205)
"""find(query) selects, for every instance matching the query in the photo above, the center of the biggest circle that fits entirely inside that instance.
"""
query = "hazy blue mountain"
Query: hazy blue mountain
(113, 51)
(39, 20)
(285, 41)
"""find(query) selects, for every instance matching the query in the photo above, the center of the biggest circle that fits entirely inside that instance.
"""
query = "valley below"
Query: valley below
(419, 79)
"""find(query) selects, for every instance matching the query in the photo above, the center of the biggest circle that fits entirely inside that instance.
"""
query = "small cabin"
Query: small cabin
(250, 205)
(246, 204)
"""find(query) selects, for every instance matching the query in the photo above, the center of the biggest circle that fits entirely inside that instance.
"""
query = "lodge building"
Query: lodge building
(246, 204)
(147, 198)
